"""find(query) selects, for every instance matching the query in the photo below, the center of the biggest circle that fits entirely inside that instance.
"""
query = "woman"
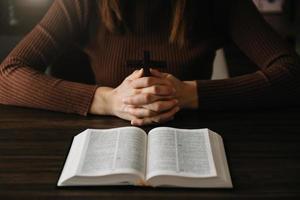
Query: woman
(182, 33)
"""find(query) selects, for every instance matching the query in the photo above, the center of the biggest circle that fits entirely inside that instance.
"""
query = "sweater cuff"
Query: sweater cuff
(78, 97)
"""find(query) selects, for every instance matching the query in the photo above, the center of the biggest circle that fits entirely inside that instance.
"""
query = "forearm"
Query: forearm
(28, 88)
(248, 91)
(189, 98)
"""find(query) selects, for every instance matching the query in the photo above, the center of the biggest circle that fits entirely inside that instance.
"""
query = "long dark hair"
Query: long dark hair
(189, 18)
(112, 17)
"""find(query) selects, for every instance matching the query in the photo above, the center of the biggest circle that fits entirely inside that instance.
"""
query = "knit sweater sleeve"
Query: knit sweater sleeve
(22, 81)
(277, 78)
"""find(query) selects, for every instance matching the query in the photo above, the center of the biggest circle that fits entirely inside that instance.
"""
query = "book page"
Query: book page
(179, 152)
(73, 158)
(115, 151)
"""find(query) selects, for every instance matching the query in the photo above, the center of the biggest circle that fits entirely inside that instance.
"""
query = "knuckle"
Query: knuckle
(174, 102)
(129, 110)
(169, 90)
(156, 107)
(128, 81)
(135, 92)
(147, 112)
(149, 81)
(133, 84)
(127, 100)
(148, 97)
(135, 112)
(156, 89)
(169, 76)
(139, 112)
(160, 106)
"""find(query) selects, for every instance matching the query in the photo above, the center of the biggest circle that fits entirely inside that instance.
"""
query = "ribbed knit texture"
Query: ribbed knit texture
(23, 83)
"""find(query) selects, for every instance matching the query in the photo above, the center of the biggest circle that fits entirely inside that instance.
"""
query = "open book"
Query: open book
(165, 157)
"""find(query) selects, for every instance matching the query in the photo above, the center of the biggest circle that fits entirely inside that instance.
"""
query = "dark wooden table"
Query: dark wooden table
(263, 150)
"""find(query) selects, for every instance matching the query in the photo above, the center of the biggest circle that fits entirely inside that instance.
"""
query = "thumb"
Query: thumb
(135, 75)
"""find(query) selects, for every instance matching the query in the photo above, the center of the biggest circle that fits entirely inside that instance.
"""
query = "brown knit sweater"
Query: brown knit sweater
(23, 83)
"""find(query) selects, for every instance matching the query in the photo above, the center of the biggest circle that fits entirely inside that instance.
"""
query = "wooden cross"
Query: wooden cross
(146, 63)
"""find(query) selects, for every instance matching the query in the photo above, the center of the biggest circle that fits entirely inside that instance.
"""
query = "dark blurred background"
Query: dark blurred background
(17, 17)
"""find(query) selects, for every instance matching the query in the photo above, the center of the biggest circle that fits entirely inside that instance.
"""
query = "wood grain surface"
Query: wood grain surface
(263, 152)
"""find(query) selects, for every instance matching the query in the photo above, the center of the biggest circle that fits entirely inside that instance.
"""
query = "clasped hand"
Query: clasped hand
(143, 100)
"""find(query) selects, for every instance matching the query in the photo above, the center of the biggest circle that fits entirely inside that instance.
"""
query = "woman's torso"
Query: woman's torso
(149, 31)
